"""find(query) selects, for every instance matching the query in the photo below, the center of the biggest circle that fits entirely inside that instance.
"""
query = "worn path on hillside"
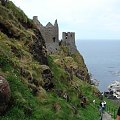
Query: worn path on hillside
(107, 116)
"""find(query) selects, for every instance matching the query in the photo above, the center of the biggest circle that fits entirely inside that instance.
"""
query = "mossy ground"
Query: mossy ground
(15, 54)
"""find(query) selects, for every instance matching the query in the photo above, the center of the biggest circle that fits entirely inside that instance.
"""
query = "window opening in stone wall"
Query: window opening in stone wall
(66, 35)
(71, 35)
(53, 39)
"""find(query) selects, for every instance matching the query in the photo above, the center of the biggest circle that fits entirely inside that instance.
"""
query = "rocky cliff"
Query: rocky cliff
(42, 86)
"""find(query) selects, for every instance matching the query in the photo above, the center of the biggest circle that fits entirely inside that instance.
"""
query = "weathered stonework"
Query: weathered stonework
(5, 94)
(50, 34)
(68, 39)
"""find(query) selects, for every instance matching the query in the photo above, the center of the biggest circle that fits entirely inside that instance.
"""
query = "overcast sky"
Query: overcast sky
(89, 19)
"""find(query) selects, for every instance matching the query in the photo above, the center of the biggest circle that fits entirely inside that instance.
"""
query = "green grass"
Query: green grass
(43, 109)
(71, 90)
(15, 54)
(21, 98)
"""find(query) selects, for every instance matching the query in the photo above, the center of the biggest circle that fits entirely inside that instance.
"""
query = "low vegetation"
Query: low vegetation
(18, 64)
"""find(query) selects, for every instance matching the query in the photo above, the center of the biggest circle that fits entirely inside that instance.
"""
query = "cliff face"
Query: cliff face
(42, 86)
(70, 60)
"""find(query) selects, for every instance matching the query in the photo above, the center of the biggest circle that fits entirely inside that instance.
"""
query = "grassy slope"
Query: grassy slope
(23, 102)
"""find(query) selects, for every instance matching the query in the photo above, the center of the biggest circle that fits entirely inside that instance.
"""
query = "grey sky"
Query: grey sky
(90, 19)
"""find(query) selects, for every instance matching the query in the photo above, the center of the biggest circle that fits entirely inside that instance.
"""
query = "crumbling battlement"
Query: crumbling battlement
(50, 34)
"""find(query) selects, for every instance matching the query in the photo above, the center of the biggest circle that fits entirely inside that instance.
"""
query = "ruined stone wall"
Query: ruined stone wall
(39, 26)
(50, 34)
(68, 39)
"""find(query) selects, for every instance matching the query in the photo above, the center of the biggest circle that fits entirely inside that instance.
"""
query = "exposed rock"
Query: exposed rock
(44, 67)
(36, 82)
(63, 94)
(70, 71)
(41, 93)
(24, 72)
(4, 2)
(72, 68)
(56, 107)
(84, 101)
(114, 90)
(48, 77)
(33, 88)
(79, 74)
(37, 91)
(96, 92)
(5, 94)
(38, 48)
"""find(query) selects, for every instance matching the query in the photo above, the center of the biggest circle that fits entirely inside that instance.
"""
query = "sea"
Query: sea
(102, 58)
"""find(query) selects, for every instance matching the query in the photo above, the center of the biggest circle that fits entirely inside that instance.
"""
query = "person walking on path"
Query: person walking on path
(101, 111)
(118, 114)
(102, 108)
(104, 105)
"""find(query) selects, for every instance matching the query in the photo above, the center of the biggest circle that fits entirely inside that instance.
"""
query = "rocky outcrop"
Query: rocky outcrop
(48, 78)
(4, 2)
(78, 73)
(56, 107)
(114, 90)
(5, 94)
(38, 48)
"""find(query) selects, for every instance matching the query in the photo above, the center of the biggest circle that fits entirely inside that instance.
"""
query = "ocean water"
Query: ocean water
(102, 58)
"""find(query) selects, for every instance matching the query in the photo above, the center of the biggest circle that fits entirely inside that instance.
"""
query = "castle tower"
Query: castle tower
(68, 39)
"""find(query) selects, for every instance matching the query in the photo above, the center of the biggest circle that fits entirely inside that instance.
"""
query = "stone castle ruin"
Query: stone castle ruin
(68, 39)
(50, 34)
